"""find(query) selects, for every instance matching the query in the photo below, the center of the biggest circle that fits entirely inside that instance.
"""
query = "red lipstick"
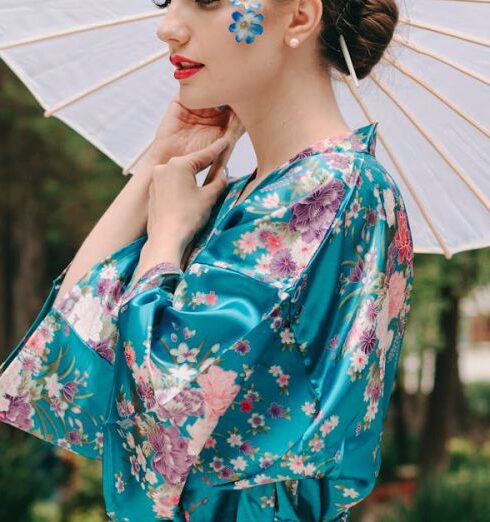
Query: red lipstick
(185, 66)
(180, 74)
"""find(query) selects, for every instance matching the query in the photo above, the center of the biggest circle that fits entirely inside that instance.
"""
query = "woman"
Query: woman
(233, 354)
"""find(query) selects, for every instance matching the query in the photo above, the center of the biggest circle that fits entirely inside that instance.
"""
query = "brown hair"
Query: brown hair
(367, 26)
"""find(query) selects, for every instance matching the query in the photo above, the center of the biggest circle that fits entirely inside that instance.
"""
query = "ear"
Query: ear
(306, 17)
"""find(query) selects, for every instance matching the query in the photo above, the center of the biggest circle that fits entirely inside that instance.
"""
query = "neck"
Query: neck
(287, 119)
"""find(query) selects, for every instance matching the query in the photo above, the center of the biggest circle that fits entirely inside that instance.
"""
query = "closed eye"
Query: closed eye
(165, 3)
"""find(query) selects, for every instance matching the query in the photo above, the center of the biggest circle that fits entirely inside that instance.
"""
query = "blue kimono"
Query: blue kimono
(251, 383)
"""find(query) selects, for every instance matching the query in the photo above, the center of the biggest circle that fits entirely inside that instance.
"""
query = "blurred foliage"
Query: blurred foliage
(390, 458)
(460, 495)
(463, 272)
(478, 397)
(451, 497)
(465, 454)
(75, 183)
(80, 499)
(28, 471)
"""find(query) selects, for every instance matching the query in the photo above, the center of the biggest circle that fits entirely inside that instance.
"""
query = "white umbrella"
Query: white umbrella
(98, 66)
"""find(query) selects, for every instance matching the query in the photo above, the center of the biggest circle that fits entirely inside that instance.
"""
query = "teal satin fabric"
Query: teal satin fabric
(250, 384)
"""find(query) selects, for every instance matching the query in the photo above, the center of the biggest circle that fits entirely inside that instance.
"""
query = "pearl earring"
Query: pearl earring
(294, 42)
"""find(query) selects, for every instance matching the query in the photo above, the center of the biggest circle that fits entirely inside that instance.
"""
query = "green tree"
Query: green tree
(55, 186)
(434, 325)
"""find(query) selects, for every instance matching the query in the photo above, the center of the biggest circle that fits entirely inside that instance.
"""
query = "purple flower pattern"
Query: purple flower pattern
(187, 400)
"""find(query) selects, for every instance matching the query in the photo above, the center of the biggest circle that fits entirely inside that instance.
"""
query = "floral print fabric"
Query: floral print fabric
(252, 384)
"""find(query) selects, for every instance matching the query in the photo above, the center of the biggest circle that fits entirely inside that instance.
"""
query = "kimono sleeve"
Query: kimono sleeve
(348, 316)
(199, 398)
(55, 384)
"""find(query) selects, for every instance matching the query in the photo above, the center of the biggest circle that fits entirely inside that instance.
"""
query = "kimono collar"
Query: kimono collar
(362, 139)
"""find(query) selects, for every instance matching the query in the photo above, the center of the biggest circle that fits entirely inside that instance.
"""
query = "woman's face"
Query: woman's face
(233, 71)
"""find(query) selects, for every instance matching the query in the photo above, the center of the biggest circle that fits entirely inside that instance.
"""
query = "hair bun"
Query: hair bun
(367, 26)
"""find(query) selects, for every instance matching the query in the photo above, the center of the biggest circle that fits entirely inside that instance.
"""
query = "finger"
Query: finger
(222, 160)
(218, 165)
(201, 159)
(216, 186)
(234, 131)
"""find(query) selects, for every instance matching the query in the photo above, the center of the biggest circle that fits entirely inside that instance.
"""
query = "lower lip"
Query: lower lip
(180, 74)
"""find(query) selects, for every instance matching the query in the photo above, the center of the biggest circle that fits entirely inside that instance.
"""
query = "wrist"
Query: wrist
(155, 265)
(158, 156)
(168, 235)
(150, 160)
(168, 250)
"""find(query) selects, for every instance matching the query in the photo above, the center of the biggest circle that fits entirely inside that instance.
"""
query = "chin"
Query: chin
(196, 100)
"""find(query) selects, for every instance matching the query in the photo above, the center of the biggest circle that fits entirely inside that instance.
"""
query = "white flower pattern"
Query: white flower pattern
(274, 350)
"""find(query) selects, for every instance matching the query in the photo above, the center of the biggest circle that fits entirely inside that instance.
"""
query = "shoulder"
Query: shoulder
(377, 183)
(381, 192)
(346, 183)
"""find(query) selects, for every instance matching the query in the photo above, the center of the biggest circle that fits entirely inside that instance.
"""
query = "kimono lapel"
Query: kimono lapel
(362, 139)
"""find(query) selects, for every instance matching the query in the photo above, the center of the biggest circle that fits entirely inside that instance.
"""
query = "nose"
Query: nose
(172, 30)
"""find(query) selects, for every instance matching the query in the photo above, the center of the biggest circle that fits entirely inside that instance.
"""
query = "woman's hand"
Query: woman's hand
(178, 208)
(183, 131)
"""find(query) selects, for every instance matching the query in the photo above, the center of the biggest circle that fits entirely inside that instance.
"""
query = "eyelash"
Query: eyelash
(165, 3)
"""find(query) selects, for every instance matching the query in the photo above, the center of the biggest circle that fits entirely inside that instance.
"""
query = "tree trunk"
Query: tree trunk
(22, 265)
(399, 421)
(439, 419)
(5, 301)
(461, 412)
(28, 276)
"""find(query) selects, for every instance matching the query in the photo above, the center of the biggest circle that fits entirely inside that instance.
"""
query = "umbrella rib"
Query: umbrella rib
(104, 83)
(80, 29)
(440, 58)
(401, 171)
(136, 158)
(437, 94)
(464, 178)
(445, 31)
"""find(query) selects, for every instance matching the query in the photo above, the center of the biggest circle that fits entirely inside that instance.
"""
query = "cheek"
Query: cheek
(217, 39)
(238, 63)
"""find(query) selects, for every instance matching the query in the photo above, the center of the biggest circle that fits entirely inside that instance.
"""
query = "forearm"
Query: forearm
(123, 221)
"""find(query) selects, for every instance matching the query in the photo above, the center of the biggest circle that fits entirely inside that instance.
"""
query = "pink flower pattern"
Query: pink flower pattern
(275, 348)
